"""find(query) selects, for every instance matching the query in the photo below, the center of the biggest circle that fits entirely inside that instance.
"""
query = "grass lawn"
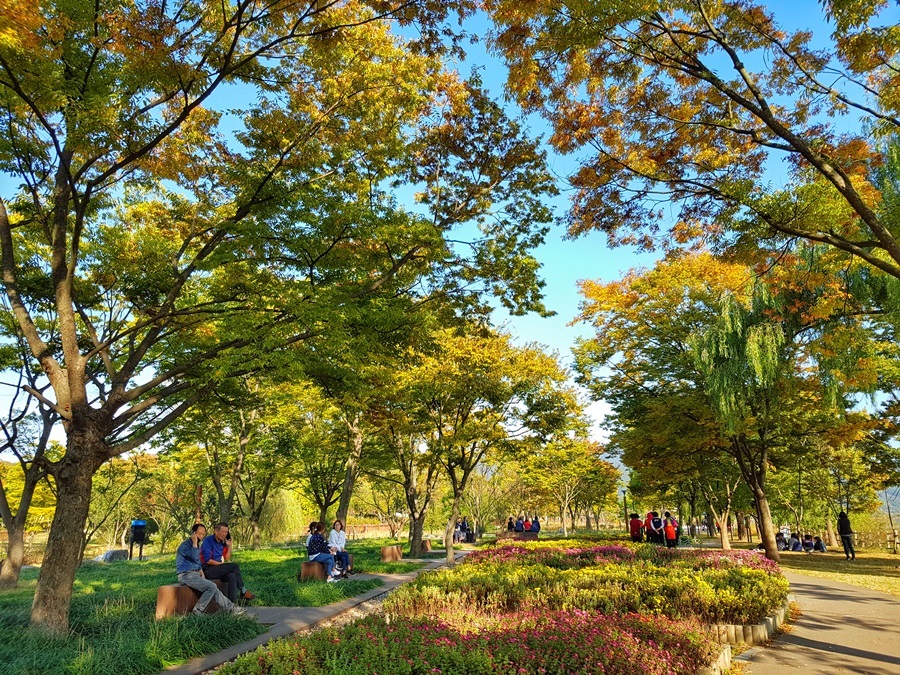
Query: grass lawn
(873, 568)
(113, 630)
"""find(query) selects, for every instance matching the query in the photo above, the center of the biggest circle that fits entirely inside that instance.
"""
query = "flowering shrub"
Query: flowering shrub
(709, 586)
(540, 644)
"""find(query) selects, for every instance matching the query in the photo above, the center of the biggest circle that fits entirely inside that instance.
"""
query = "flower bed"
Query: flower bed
(549, 644)
(708, 586)
(544, 608)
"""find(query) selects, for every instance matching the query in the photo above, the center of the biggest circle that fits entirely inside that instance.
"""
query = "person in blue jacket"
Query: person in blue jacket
(535, 525)
(215, 554)
(190, 573)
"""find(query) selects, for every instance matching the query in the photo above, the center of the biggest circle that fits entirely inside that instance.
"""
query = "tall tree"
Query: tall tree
(704, 360)
(690, 101)
(181, 243)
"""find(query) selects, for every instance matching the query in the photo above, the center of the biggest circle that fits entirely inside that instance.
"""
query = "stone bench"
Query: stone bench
(310, 569)
(391, 553)
(174, 599)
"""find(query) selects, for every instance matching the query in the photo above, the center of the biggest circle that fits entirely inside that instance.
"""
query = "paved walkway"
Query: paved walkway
(843, 629)
(283, 621)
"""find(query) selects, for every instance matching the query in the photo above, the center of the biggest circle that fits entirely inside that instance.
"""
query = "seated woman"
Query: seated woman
(808, 543)
(337, 541)
(519, 525)
(780, 542)
(794, 542)
(318, 551)
(819, 545)
(510, 525)
(526, 525)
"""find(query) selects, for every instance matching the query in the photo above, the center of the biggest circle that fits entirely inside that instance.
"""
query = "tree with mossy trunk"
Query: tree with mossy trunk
(182, 244)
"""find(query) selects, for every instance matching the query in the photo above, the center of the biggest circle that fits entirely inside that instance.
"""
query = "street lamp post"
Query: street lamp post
(625, 507)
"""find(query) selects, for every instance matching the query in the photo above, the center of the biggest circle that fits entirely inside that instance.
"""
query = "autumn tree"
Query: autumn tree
(179, 243)
(705, 359)
(690, 102)
(476, 393)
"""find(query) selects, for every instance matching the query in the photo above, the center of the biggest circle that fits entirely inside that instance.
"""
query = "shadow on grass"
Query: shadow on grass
(113, 629)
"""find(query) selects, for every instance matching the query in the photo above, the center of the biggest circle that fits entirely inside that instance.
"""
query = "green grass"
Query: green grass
(873, 568)
(113, 630)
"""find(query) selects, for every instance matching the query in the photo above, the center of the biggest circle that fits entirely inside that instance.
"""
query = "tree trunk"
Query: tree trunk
(766, 527)
(254, 532)
(15, 557)
(723, 520)
(85, 454)
(829, 532)
(352, 471)
(416, 530)
(448, 533)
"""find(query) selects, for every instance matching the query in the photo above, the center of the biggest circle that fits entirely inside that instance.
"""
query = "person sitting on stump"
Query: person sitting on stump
(337, 542)
(215, 554)
(318, 550)
(190, 573)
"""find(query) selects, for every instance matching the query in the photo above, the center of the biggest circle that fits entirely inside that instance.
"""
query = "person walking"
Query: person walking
(846, 533)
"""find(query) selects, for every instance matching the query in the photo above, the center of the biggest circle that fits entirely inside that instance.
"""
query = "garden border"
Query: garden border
(728, 634)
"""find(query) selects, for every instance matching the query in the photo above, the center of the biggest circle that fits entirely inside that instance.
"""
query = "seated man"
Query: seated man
(819, 545)
(215, 554)
(808, 543)
(190, 573)
(780, 541)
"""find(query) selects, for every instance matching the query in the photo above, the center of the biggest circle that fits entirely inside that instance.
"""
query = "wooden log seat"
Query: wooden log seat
(310, 569)
(518, 536)
(180, 599)
(426, 546)
(391, 553)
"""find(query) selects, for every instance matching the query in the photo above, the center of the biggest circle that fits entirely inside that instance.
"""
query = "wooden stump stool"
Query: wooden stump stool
(311, 570)
(391, 553)
(426, 545)
(180, 599)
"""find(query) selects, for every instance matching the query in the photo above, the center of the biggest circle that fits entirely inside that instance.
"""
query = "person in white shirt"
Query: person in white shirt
(337, 540)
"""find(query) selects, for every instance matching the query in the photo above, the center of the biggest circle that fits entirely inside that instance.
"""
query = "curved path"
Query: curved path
(842, 629)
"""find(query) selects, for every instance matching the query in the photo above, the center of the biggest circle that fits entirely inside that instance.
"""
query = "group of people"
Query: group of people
(201, 559)
(463, 531)
(809, 544)
(656, 530)
(523, 524)
(332, 553)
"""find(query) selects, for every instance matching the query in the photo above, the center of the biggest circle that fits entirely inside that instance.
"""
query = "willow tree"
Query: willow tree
(698, 359)
(202, 184)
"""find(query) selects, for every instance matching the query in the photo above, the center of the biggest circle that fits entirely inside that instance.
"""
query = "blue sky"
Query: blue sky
(565, 262)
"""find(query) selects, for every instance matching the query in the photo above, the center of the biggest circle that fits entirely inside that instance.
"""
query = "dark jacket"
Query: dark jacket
(844, 528)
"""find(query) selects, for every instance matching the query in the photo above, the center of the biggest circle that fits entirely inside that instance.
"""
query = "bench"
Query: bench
(391, 553)
(518, 536)
(180, 599)
(310, 569)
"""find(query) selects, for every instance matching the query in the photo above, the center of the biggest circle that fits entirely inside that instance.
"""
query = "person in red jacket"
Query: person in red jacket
(636, 527)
